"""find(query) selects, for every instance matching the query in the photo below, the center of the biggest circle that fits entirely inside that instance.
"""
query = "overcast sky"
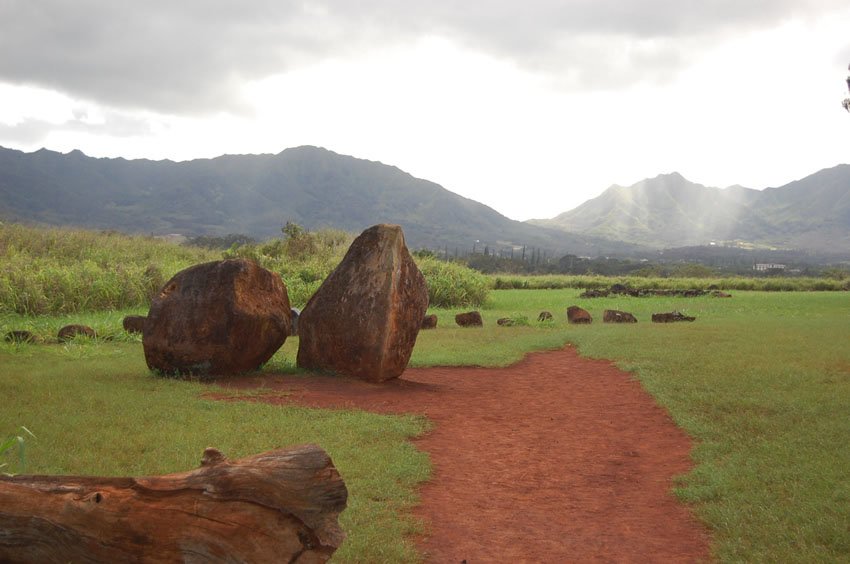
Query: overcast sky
(529, 107)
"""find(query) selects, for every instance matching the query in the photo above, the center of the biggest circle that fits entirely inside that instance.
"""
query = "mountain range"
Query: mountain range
(811, 214)
(314, 187)
(256, 195)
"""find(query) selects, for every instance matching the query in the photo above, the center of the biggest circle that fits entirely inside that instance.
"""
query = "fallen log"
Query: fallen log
(278, 506)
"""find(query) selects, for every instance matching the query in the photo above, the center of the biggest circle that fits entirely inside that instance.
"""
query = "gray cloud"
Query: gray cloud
(191, 56)
(31, 131)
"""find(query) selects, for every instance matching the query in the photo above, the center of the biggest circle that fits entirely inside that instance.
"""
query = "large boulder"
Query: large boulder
(217, 318)
(615, 316)
(364, 318)
(469, 319)
(578, 315)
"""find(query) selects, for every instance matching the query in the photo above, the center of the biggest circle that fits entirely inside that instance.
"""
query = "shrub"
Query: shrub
(452, 285)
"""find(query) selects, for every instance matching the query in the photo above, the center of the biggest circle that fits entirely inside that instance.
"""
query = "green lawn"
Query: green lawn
(761, 381)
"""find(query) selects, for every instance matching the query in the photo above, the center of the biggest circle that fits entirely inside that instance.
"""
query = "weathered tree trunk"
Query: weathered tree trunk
(278, 506)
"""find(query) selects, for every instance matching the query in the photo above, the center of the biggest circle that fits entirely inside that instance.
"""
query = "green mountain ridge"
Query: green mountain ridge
(811, 214)
(256, 195)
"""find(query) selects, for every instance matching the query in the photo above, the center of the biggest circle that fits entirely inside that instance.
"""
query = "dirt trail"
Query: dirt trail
(555, 459)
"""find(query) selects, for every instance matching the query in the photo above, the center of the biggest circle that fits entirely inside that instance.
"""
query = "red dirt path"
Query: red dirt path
(555, 459)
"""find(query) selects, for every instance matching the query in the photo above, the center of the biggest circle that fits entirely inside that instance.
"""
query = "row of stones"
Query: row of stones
(575, 314)
(65, 334)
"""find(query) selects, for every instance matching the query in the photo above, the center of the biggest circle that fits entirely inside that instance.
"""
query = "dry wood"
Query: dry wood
(278, 506)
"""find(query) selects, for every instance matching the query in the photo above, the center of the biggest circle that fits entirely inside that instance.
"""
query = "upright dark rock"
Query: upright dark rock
(364, 319)
(217, 318)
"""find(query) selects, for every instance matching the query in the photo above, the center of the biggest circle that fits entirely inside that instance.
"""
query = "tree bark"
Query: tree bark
(278, 506)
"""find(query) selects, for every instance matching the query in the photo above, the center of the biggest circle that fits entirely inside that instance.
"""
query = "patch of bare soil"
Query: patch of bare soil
(555, 459)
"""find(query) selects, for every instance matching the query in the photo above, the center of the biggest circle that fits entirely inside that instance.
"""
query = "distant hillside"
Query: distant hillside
(256, 195)
(669, 211)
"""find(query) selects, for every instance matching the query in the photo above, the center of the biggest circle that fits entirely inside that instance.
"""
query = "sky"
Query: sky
(529, 107)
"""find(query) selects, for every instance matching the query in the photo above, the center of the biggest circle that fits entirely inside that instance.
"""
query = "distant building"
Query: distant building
(761, 267)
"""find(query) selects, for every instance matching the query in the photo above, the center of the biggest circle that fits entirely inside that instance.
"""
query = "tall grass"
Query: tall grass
(51, 270)
(54, 271)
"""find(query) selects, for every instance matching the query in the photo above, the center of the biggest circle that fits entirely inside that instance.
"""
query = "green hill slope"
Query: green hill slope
(256, 195)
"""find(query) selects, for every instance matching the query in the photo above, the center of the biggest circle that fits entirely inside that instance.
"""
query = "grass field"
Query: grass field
(760, 380)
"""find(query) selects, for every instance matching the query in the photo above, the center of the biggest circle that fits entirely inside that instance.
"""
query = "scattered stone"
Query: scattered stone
(294, 314)
(134, 323)
(217, 318)
(615, 316)
(506, 322)
(594, 294)
(71, 331)
(671, 317)
(719, 294)
(576, 314)
(364, 318)
(469, 319)
(545, 316)
(19, 337)
(621, 289)
(429, 322)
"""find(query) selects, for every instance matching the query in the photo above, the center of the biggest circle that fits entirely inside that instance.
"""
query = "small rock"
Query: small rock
(70, 331)
(670, 317)
(134, 323)
(469, 319)
(429, 322)
(19, 337)
(506, 322)
(614, 316)
(576, 314)
(719, 294)
(544, 316)
(594, 294)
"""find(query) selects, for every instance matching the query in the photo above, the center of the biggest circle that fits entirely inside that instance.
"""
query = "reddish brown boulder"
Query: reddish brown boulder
(70, 331)
(134, 323)
(429, 322)
(545, 316)
(469, 319)
(576, 314)
(217, 318)
(671, 317)
(614, 316)
(364, 318)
